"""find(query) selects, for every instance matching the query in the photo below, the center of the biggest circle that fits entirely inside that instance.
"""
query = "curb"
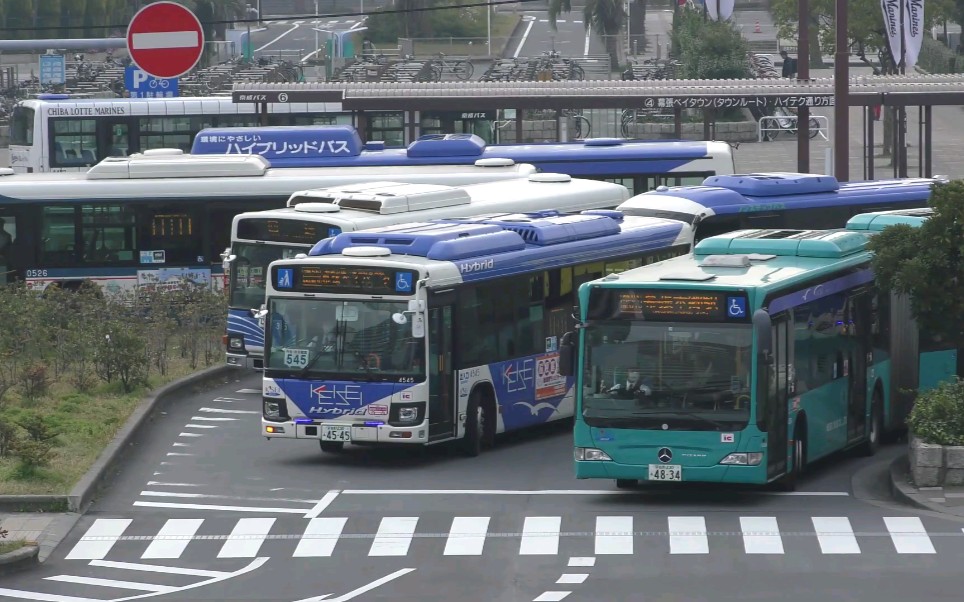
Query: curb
(904, 492)
(20, 559)
(85, 489)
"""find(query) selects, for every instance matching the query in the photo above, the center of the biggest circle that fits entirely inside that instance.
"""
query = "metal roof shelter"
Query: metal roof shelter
(896, 91)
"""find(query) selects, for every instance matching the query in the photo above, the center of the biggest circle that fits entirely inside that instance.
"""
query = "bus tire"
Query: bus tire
(798, 459)
(626, 483)
(331, 447)
(476, 420)
(870, 446)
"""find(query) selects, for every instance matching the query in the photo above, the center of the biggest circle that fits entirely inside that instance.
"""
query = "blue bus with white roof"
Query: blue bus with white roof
(726, 203)
(639, 165)
(442, 330)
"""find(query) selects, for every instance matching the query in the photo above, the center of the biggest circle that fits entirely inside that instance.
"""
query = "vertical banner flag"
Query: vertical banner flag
(726, 9)
(711, 9)
(891, 9)
(913, 31)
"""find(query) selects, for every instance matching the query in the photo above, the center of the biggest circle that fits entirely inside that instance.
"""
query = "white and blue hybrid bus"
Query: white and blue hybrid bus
(444, 330)
(260, 237)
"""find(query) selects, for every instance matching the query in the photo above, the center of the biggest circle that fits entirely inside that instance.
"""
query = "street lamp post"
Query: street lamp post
(316, 29)
(803, 74)
(488, 19)
(841, 93)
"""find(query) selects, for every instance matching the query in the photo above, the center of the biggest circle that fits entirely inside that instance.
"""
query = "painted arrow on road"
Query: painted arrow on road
(361, 590)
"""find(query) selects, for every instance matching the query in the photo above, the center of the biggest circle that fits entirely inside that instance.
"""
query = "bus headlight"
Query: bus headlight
(741, 459)
(235, 343)
(591, 454)
(274, 409)
(407, 414)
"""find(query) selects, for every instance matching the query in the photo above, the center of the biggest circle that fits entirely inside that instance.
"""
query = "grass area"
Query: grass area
(11, 546)
(85, 423)
(502, 27)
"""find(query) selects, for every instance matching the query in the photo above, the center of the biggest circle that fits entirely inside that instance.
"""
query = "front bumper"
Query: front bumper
(751, 475)
(361, 433)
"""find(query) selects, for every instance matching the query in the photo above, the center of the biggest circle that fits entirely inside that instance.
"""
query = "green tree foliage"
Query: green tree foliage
(19, 13)
(938, 414)
(927, 264)
(865, 22)
(607, 18)
(708, 49)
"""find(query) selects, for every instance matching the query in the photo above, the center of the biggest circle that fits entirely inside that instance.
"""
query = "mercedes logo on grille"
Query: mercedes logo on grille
(665, 454)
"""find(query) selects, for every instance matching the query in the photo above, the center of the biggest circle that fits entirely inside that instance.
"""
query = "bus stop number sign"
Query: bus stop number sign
(165, 40)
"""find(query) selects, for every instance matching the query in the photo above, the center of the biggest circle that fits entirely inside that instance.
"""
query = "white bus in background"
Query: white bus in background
(164, 214)
(55, 132)
(259, 238)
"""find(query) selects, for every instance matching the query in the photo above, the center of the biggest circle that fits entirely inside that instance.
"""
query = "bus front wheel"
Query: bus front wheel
(798, 459)
(331, 447)
(870, 445)
(475, 425)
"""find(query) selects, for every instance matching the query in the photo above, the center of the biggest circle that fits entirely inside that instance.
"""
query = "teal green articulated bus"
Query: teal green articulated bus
(935, 359)
(761, 351)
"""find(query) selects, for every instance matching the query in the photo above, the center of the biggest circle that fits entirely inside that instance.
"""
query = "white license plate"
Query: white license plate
(336, 433)
(665, 472)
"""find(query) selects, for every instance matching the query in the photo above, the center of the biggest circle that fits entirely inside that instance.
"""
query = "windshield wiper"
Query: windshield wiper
(312, 361)
(714, 423)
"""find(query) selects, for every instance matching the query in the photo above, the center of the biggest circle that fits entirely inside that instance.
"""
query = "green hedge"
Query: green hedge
(935, 57)
(938, 414)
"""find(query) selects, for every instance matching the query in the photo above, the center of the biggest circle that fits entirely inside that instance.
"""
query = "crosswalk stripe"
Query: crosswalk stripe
(173, 538)
(320, 537)
(394, 536)
(835, 535)
(761, 535)
(99, 539)
(614, 535)
(467, 536)
(540, 536)
(246, 538)
(144, 587)
(909, 535)
(687, 535)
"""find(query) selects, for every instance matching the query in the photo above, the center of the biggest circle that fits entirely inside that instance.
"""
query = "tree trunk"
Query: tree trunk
(816, 57)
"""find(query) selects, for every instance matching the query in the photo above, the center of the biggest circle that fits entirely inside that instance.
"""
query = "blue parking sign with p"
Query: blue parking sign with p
(142, 85)
(403, 282)
(285, 277)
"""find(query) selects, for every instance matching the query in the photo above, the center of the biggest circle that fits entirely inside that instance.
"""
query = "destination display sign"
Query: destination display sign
(285, 230)
(669, 305)
(344, 280)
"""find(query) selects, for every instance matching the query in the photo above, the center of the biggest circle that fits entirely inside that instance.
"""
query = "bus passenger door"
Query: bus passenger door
(441, 376)
(858, 347)
(17, 242)
(776, 412)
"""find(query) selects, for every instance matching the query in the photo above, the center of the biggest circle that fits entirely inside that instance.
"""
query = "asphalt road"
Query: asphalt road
(296, 38)
(571, 39)
(206, 510)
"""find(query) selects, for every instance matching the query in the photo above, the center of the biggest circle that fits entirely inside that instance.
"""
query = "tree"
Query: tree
(19, 13)
(95, 17)
(707, 49)
(927, 264)
(607, 18)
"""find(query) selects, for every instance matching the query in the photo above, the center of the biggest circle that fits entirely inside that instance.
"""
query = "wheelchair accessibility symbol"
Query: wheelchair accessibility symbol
(403, 282)
(736, 307)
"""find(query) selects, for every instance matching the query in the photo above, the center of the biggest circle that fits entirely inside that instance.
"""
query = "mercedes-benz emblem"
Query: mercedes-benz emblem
(664, 454)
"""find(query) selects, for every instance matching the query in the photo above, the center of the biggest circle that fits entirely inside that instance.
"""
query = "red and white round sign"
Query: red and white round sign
(165, 40)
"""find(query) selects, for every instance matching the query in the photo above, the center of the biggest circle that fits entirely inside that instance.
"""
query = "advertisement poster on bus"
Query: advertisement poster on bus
(549, 383)
(172, 278)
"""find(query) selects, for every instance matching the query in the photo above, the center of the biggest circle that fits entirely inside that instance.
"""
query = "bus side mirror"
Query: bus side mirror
(567, 355)
(763, 332)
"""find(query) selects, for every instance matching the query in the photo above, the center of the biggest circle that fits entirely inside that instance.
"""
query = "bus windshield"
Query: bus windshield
(247, 272)
(647, 375)
(343, 340)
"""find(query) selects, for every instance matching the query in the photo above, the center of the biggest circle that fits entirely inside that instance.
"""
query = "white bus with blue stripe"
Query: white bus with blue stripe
(258, 238)
(725, 203)
(444, 330)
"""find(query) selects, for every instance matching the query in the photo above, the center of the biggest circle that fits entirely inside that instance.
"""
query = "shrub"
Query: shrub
(938, 414)
(35, 381)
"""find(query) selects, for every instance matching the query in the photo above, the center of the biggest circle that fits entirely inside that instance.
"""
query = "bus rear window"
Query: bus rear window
(21, 126)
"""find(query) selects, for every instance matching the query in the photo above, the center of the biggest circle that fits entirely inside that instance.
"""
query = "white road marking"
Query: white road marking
(172, 539)
(322, 504)
(200, 426)
(614, 535)
(258, 391)
(246, 538)
(582, 561)
(25, 595)
(909, 535)
(165, 40)
(467, 536)
(190, 435)
(213, 419)
(761, 535)
(293, 27)
(162, 484)
(99, 539)
(687, 535)
(551, 597)
(572, 578)
(522, 42)
(835, 535)
(224, 411)
(144, 587)
(394, 536)
(320, 537)
(540, 535)
(258, 509)
(585, 49)
(155, 568)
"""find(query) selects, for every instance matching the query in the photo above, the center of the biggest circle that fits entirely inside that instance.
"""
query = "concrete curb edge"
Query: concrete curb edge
(19, 559)
(83, 491)
(904, 492)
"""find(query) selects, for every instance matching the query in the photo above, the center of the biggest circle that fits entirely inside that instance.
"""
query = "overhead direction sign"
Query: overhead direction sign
(165, 40)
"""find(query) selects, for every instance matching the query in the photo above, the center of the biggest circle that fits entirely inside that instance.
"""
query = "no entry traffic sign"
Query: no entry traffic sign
(165, 40)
